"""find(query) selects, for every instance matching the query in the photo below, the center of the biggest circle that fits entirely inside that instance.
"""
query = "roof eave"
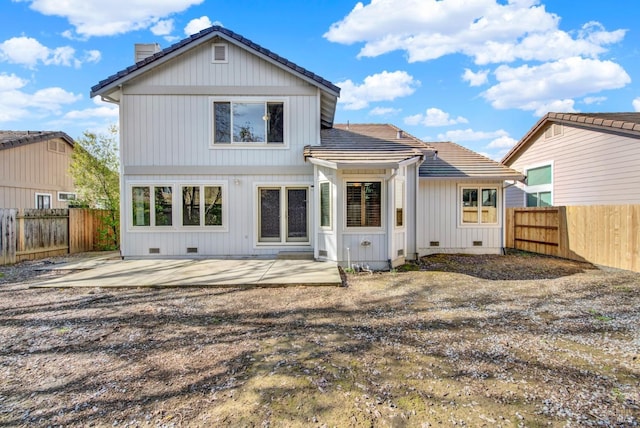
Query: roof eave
(474, 178)
(363, 165)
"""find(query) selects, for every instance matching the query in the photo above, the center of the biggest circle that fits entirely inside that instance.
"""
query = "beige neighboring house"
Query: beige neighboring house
(34, 169)
(578, 159)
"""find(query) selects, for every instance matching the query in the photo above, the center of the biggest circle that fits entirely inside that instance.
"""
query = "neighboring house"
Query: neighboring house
(578, 159)
(34, 169)
(229, 150)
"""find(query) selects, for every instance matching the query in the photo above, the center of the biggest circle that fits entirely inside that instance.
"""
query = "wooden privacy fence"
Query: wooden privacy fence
(32, 233)
(607, 235)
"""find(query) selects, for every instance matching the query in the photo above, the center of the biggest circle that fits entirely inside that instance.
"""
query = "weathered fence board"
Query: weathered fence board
(7, 236)
(607, 235)
(33, 234)
(42, 233)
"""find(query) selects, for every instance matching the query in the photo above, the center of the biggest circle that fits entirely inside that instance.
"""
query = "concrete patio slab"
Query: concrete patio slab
(195, 273)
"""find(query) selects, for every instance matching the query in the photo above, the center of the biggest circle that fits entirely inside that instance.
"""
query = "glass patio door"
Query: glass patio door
(283, 214)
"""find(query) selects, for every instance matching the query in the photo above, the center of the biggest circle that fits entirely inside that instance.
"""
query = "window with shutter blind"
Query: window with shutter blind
(364, 204)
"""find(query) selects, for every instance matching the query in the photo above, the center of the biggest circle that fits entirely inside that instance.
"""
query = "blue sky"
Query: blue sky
(476, 72)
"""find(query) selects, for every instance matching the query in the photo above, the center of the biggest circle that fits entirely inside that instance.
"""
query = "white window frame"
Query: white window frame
(47, 195)
(479, 188)
(383, 204)
(283, 218)
(403, 187)
(540, 188)
(330, 227)
(176, 203)
(225, 206)
(67, 199)
(249, 100)
(213, 53)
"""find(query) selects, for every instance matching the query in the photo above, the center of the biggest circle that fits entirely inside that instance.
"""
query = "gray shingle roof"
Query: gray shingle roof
(624, 123)
(375, 145)
(457, 162)
(9, 139)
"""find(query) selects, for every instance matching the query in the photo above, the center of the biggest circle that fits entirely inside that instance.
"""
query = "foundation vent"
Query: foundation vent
(192, 250)
(154, 250)
(434, 243)
(400, 253)
(323, 253)
(477, 243)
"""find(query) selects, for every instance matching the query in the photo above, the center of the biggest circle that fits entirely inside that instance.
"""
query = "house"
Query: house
(578, 159)
(229, 150)
(34, 169)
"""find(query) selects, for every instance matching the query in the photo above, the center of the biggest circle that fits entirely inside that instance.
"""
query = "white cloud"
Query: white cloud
(92, 18)
(502, 142)
(471, 135)
(29, 52)
(384, 111)
(475, 79)
(103, 110)
(636, 104)
(487, 30)
(594, 100)
(16, 103)
(385, 86)
(163, 27)
(196, 25)
(92, 56)
(552, 86)
(24, 51)
(434, 117)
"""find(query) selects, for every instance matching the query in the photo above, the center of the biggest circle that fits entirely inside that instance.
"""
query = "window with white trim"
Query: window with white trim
(399, 202)
(479, 205)
(201, 205)
(43, 201)
(325, 204)
(248, 122)
(538, 191)
(152, 206)
(67, 196)
(364, 203)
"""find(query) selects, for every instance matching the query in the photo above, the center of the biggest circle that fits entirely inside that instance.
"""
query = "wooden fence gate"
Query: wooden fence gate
(33, 234)
(607, 235)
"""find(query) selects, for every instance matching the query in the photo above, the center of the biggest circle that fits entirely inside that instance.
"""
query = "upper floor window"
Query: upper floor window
(248, 122)
(539, 186)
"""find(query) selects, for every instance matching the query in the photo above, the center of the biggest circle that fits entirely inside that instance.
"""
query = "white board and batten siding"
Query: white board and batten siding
(589, 167)
(238, 235)
(439, 211)
(172, 109)
(167, 138)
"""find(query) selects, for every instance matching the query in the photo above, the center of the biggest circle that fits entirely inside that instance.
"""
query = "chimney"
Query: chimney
(145, 50)
(399, 135)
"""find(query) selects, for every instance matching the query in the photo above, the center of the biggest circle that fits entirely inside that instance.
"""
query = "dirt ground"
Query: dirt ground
(517, 340)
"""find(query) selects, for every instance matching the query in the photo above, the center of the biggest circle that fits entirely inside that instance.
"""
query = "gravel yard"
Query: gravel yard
(516, 340)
